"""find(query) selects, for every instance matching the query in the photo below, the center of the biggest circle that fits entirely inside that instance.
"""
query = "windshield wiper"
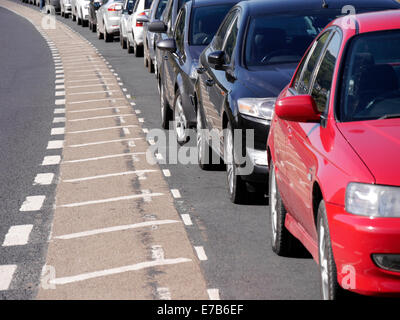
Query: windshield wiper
(390, 116)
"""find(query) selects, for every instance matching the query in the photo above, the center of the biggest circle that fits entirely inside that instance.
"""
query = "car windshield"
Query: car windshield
(370, 88)
(205, 22)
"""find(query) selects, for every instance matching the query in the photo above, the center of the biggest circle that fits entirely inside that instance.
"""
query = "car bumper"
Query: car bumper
(354, 240)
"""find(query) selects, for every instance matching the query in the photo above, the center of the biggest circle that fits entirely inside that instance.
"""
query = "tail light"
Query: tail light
(115, 7)
(140, 24)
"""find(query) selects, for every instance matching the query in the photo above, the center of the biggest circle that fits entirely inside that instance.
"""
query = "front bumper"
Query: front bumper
(354, 240)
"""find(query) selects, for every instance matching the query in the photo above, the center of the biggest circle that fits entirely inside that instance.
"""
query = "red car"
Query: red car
(334, 153)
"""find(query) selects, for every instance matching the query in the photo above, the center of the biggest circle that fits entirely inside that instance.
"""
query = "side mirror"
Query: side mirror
(297, 108)
(216, 60)
(142, 19)
(158, 27)
(167, 45)
(96, 5)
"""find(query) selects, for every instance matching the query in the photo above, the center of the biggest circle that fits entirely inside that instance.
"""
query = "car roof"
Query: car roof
(256, 7)
(204, 3)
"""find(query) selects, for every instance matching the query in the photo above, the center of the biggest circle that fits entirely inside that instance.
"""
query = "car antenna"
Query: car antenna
(324, 4)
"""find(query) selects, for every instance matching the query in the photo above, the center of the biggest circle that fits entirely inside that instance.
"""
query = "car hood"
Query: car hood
(267, 81)
(378, 144)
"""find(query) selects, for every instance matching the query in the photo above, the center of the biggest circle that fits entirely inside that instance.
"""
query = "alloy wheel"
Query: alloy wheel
(179, 123)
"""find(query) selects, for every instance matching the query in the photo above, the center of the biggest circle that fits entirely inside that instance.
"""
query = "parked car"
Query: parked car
(334, 150)
(196, 25)
(125, 26)
(108, 17)
(80, 12)
(167, 21)
(65, 8)
(94, 5)
(135, 37)
(149, 45)
(52, 4)
(250, 60)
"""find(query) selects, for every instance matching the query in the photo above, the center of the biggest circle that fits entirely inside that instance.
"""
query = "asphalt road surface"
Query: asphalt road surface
(235, 238)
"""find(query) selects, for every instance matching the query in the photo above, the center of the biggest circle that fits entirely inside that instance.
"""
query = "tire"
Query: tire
(138, 50)
(282, 241)
(236, 186)
(107, 36)
(178, 117)
(100, 35)
(79, 21)
(330, 288)
(150, 65)
(123, 42)
(73, 17)
(62, 14)
(85, 23)
(66, 15)
(164, 109)
(94, 27)
(128, 46)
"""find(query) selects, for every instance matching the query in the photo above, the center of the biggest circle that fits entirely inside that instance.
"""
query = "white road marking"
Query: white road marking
(59, 110)
(96, 109)
(117, 174)
(114, 229)
(60, 87)
(60, 102)
(101, 117)
(145, 130)
(32, 203)
(201, 253)
(55, 144)
(163, 293)
(92, 85)
(43, 179)
(87, 80)
(18, 235)
(101, 142)
(102, 129)
(186, 219)
(128, 96)
(107, 272)
(138, 111)
(105, 157)
(126, 131)
(213, 294)
(51, 160)
(157, 253)
(96, 100)
(6, 275)
(92, 92)
(59, 81)
(60, 71)
(166, 172)
(141, 120)
(135, 196)
(60, 93)
(59, 76)
(175, 193)
(58, 119)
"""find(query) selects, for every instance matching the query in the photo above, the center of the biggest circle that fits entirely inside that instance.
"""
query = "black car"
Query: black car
(94, 5)
(195, 27)
(250, 60)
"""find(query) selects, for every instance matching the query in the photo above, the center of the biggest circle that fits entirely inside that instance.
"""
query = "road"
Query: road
(235, 238)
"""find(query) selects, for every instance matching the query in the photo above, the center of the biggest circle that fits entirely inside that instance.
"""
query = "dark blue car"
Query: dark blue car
(250, 60)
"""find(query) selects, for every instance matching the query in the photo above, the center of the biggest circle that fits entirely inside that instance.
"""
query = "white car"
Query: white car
(65, 8)
(80, 12)
(108, 19)
(135, 37)
(124, 25)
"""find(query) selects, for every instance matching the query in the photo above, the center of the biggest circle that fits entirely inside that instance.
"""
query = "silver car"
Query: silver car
(125, 27)
(149, 45)
(108, 19)
(65, 8)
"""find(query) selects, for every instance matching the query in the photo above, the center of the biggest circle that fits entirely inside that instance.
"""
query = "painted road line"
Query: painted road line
(32, 203)
(175, 193)
(213, 294)
(59, 102)
(92, 85)
(186, 219)
(105, 157)
(141, 120)
(60, 87)
(114, 229)
(18, 235)
(6, 275)
(60, 93)
(97, 100)
(59, 81)
(51, 160)
(96, 109)
(126, 131)
(55, 144)
(43, 179)
(157, 252)
(87, 80)
(163, 293)
(59, 119)
(201, 254)
(102, 129)
(130, 197)
(166, 172)
(59, 110)
(57, 131)
(93, 92)
(108, 272)
(101, 142)
(145, 130)
(101, 117)
(117, 174)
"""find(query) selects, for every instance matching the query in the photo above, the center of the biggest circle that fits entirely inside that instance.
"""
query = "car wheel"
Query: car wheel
(79, 21)
(100, 35)
(138, 50)
(66, 15)
(165, 110)
(94, 27)
(282, 241)
(108, 37)
(204, 151)
(129, 47)
(73, 17)
(62, 14)
(150, 65)
(236, 186)
(179, 121)
(330, 288)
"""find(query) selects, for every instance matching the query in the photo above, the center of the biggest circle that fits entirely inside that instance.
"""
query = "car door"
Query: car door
(304, 138)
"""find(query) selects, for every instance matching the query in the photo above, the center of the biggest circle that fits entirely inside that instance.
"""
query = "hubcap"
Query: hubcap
(230, 169)
(323, 259)
(273, 203)
(180, 126)
(199, 138)
(162, 103)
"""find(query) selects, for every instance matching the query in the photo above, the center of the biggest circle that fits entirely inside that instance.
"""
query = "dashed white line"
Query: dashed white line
(32, 203)
(59, 102)
(175, 193)
(51, 160)
(186, 219)
(201, 254)
(6, 275)
(55, 144)
(213, 294)
(166, 172)
(163, 293)
(59, 110)
(58, 119)
(57, 131)
(17, 235)
(43, 179)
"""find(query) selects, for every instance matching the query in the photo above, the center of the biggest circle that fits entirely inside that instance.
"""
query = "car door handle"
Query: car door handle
(210, 82)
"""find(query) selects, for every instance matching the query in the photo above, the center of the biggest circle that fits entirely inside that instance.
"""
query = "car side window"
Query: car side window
(304, 74)
(160, 9)
(323, 81)
(221, 33)
(230, 40)
(179, 33)
(168, 17)
(136, 5)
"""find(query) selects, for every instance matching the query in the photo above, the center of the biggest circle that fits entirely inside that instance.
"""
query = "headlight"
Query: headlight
(255, 107)
(372, 200)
